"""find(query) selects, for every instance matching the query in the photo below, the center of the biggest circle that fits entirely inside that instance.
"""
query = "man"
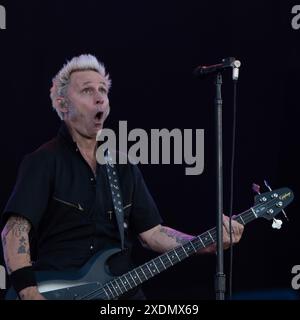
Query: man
(60, 213)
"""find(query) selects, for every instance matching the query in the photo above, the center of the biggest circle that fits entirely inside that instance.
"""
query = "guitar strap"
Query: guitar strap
(116, 194)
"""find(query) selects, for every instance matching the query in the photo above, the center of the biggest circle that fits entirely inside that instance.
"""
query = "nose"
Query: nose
(101, 102)
(99, 98)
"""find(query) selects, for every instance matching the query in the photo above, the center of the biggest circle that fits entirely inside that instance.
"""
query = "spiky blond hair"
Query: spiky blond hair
(61, 81)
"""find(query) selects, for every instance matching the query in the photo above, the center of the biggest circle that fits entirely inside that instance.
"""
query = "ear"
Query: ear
(61, 105)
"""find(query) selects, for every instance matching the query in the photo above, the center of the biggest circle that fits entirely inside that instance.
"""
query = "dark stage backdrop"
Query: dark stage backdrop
(150, 50)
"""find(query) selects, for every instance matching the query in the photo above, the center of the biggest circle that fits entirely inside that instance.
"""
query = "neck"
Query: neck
(86, 144)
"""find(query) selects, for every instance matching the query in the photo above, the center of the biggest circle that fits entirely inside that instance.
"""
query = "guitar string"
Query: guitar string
(247, 217)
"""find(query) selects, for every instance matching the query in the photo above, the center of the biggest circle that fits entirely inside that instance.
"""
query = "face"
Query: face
(87, 103)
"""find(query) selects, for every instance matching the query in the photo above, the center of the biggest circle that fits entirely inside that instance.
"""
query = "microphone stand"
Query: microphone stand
(220, 278)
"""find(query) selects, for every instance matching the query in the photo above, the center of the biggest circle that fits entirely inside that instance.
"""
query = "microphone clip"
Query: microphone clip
(226, 63)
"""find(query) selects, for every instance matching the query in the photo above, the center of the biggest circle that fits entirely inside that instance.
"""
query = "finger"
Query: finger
(227, 226)
(238, 228)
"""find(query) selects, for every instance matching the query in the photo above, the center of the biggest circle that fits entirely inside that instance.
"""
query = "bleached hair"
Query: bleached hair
(61, 81)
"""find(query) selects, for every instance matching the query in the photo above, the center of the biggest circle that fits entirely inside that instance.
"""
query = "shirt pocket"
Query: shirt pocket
(72, 204)
(126, 211)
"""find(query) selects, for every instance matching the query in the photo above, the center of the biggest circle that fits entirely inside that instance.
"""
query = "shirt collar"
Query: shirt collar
(64, 134)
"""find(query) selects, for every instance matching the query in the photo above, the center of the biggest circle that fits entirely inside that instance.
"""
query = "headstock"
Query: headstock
(269, 204)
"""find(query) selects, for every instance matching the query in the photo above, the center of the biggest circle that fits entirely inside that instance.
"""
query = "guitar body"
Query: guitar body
(74, 285)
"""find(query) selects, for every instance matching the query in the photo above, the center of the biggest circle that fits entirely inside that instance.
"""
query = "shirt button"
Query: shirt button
(91, 247)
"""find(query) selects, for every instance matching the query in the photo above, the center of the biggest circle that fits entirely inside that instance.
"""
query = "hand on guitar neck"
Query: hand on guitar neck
(236, 234)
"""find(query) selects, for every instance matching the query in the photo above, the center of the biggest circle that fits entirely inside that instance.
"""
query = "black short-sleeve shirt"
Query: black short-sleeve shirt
(71, 210)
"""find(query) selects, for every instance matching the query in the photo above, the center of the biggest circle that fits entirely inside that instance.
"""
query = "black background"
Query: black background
(150, 50)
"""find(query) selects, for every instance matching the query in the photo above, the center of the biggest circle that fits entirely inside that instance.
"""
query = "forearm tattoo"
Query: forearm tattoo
(179, 237)
(19, 228)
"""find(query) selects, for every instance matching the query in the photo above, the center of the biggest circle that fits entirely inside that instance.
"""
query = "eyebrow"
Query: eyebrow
(88, 82)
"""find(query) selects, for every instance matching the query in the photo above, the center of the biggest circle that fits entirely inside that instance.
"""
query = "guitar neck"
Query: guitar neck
(137, 276)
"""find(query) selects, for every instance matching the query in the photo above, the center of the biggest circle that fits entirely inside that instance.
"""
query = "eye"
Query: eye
(87, 90)
(103, 90)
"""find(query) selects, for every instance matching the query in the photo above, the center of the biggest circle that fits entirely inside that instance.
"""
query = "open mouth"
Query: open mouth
(98, 116)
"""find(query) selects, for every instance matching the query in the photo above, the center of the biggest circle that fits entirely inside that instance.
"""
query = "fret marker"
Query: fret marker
(253, 213)
(242, 220)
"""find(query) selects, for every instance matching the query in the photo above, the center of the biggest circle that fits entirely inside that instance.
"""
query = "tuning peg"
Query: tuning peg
(284, 213)
(268, 186)
(276, 224)
(256, 188)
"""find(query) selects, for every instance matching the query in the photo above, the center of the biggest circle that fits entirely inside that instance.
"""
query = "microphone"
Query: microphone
(235, 69)
(226, 63)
